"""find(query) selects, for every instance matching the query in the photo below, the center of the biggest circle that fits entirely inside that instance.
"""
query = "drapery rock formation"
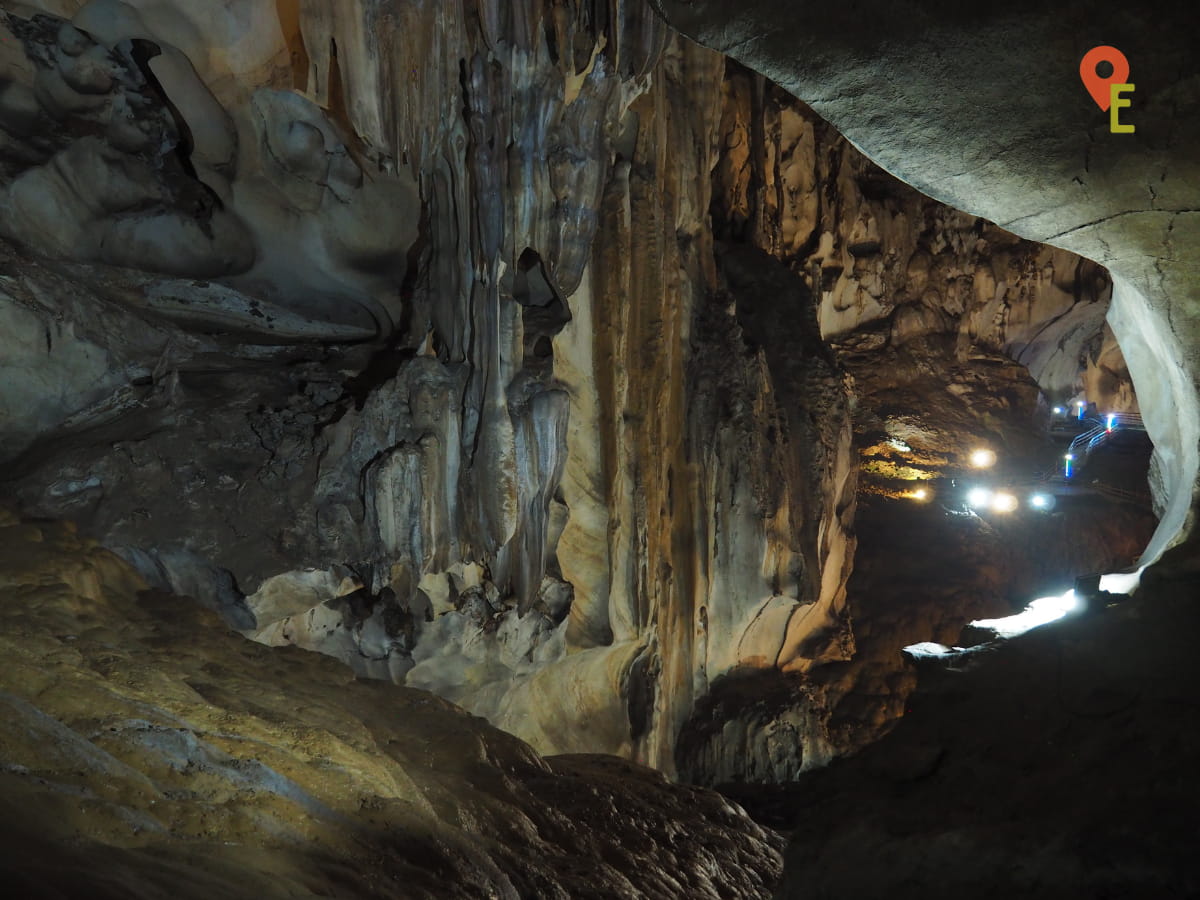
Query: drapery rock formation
(449, 342)
(378, 333)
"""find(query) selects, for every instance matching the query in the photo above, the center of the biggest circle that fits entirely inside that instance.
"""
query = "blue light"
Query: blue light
(1111, 421)
(1067, 469)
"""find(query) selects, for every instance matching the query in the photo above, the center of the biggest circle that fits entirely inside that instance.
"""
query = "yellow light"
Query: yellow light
(1004, 503)
(920, 494)
(983, 458)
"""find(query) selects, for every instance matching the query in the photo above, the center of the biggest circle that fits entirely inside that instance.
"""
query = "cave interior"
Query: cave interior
(576, 449)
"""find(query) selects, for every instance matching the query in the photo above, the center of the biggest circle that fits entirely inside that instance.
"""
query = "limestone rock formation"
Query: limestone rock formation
(983, 108)
(483, 347)
(390, 334)
(146, 751)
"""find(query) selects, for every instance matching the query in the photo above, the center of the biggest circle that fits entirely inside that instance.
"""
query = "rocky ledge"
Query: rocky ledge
(146, 751)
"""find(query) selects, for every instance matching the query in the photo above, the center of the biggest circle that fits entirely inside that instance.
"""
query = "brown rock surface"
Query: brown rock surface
(147, 752)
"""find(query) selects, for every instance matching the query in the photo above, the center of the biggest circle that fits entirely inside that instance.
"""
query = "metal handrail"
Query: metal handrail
(1087, 441)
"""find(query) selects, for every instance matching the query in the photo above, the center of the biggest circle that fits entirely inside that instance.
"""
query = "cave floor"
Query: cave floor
(146, 751)
(1061, 765)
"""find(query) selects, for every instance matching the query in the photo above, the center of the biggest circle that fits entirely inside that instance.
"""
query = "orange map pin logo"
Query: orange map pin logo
(1106, 90)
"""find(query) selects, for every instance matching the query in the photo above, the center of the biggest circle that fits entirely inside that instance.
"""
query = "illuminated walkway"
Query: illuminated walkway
(1041, 492)
(1040, 612)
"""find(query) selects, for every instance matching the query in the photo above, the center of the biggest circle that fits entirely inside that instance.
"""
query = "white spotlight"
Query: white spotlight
(1004, 503)
(977, 497)
(1039, 501)
(1039, 612)
(983, 458)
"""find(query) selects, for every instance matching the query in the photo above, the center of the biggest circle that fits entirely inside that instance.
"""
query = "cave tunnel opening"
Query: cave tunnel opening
(1000, 449)
(988, 490)
(1004, 468)
(1048, 745)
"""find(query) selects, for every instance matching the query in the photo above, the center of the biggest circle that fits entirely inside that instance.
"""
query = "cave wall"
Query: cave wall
(896, 268)
(982, 108)
(481, 346)
(398, 335)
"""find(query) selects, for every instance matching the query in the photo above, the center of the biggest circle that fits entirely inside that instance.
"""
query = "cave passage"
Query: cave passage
(998, 493)
(444, 446)
(1103, 466)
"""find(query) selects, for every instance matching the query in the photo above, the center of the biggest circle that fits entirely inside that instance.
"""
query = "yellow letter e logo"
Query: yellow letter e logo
(1117, 104)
